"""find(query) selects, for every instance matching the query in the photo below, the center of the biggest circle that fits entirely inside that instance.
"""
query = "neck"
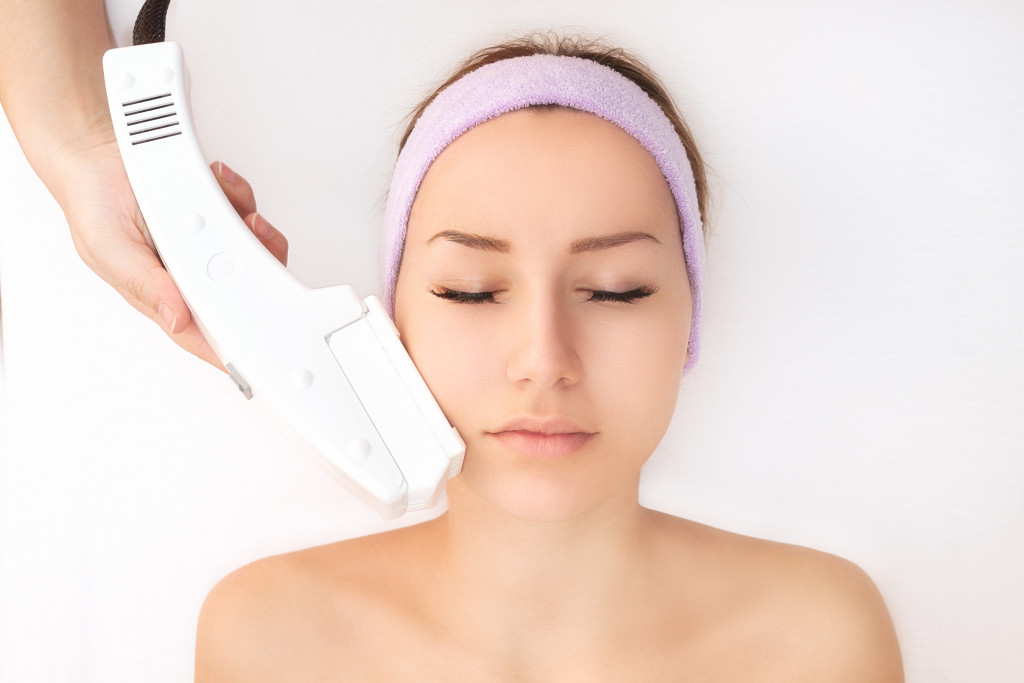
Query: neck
(517, 586)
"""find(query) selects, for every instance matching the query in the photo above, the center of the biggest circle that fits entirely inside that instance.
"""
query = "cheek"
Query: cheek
(458, 362)
(642, 371)
(638, 371)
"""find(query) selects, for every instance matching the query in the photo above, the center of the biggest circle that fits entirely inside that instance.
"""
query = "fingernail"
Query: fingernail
(226, 173)
(168, 316)
(261, 226)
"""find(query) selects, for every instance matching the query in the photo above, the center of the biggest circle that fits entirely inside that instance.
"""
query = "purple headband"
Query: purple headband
(518, 82)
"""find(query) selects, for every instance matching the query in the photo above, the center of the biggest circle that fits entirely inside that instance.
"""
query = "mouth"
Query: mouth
(543, 438)
(541, 446)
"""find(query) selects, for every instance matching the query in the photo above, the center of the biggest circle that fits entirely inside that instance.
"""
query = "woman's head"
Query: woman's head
(544, 288)
(542, 70)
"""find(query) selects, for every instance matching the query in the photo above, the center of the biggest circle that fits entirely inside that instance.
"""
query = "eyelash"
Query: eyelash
(632, 296)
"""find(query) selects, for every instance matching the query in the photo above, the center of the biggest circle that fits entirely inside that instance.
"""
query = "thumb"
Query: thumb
(137, 274)
(148, 287)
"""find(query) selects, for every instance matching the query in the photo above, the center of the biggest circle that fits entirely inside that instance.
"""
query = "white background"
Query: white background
(861, 388)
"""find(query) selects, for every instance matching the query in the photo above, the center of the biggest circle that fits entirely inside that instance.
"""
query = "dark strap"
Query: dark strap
(149, 26)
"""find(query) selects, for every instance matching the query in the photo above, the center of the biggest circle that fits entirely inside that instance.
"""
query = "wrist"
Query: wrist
(83, 140)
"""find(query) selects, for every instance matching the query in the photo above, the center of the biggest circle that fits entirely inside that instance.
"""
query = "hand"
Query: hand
(106, 226)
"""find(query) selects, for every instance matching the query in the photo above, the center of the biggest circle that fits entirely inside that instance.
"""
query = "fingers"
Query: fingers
(239, 192)
(192, 340)
(269, 236)
(152, 292)
(107, 228)
(157, 295)
(236, 188)
(115, 250)
(125, 261)
(143, 282)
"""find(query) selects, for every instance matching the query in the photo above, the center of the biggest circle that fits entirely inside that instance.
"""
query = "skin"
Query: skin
(548, 569)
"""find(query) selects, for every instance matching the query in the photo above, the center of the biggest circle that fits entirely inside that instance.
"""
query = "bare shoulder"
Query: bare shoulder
(293, 615)
(818, 616)
(842, 630)
(257, 620)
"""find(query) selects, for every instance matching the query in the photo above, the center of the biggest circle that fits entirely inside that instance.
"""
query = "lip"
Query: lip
(543, 439)
(543, 425)
(543, 446)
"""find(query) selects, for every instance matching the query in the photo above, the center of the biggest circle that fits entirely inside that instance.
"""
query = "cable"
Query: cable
(149, 26)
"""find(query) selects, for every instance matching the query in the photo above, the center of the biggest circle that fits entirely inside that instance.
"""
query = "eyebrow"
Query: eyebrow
(473, 241)
(609, 241)
(578, 247)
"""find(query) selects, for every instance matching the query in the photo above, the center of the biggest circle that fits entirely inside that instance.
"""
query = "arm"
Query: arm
(51, 89)
(51, 83)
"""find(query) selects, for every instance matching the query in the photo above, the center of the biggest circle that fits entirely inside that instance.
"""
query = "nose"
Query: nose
(545, 344)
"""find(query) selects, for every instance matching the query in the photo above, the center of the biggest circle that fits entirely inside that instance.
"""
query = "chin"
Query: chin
(535, 491)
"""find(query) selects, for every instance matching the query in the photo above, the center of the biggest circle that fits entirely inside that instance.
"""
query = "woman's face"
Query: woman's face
(543, 290)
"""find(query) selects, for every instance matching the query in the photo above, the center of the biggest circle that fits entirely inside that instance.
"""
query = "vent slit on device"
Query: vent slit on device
(151, 118)
(145, 99)
(155, 103)
(159, 137)
(146, 130)
(143, 111)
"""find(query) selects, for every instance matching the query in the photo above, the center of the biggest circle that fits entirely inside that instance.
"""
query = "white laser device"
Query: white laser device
(330, 363)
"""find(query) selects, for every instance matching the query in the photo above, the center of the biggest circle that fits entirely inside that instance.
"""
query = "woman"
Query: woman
(546, 280)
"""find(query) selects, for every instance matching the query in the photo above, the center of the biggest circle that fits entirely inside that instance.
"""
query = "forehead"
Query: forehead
(565, 169)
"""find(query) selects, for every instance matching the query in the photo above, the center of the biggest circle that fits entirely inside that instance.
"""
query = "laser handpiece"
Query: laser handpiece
(330, 363)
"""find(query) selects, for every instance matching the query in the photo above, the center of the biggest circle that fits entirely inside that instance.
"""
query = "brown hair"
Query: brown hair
(629, 65)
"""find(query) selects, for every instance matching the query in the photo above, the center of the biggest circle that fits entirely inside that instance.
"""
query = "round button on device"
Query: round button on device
(359, 449)
(221, 267)
(125, 81)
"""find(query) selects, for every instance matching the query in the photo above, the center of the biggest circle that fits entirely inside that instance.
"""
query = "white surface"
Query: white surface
(862, 380)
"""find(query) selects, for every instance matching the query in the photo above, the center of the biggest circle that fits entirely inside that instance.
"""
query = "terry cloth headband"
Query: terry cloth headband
(510, 84)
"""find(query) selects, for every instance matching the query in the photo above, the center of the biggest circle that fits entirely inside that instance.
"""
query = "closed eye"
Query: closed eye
(625, 297)
(464, 297)
(629, 297)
